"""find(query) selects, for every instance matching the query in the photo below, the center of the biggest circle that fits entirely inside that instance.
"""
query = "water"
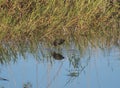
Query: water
(96, 69)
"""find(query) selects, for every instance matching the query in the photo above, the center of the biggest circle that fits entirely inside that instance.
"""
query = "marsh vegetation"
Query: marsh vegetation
(25, 24)
(58, 29)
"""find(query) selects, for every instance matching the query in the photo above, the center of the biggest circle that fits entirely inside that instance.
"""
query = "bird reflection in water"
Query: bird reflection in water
(57, 56)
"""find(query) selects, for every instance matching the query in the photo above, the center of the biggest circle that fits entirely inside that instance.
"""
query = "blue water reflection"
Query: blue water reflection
(97, 69)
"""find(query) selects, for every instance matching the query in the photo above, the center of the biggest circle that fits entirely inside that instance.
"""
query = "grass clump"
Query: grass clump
(24, 23)
(26, 19)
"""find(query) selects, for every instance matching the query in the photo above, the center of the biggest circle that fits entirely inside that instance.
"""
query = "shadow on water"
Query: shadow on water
(69, 57)
(3, 79)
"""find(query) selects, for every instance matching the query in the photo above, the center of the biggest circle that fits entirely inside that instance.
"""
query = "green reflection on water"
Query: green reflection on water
(74, 47)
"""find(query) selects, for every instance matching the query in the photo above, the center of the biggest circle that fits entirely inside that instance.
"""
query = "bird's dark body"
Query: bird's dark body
(57, 56)
(58, 42)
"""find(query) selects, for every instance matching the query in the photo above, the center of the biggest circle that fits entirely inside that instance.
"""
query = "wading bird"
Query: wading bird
(58, 42)
(57, 56)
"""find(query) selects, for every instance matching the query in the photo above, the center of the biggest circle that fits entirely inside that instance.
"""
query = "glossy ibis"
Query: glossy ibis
(57, 56)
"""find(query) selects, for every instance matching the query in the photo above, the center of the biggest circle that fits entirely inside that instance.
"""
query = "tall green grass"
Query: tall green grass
(26, 23)
(43, 18)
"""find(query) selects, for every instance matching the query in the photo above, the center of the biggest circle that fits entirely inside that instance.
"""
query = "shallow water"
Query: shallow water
(98, 68)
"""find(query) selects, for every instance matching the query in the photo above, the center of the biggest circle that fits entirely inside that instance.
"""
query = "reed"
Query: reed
(43, 18)
(26, 23)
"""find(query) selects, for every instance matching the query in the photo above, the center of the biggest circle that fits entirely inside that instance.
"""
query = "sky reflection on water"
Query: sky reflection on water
(100, 69)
